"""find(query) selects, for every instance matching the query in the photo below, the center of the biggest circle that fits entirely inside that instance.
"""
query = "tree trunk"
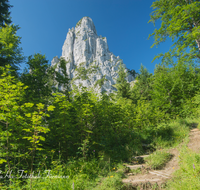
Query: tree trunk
(195, 25)
(198, 44)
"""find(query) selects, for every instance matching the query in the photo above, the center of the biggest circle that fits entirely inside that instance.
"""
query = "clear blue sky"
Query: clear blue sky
(44, 25)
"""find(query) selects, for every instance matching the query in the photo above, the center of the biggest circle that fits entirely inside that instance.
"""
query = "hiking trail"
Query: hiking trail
(149, 178)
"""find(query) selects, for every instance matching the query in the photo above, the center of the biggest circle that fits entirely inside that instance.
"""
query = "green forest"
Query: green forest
(62, 138)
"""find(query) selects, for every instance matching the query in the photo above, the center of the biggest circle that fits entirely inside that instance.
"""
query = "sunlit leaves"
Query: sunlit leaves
(29, 105)
(11, 92)
(50, 108)
(10, 53)
(180, 22)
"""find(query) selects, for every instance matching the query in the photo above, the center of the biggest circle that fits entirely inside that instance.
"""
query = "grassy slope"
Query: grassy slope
(101, 174)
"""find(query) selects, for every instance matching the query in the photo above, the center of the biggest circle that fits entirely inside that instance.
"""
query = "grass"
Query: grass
(103, 173)
(80, 174)
(188, 176)
(158, 159)
(171, 134)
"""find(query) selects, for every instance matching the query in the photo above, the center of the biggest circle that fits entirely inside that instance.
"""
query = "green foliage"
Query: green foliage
(158, 159)
(101, 82)
(172, 86)
(187, 177)
(63, 79)
(21, 126)
(132, 72)
(83, 135)
(180, 22)
(34, 133)
(93, 69)
(142, 88)
(192, 106)
(83, 72)
(82, 125)
(123, 87)
(10, 118)
(147, 116)
(34, 128)
(10, 53)
(37, 79)
(63, 132)
(171, 133)
(4, 13)
(78, 174)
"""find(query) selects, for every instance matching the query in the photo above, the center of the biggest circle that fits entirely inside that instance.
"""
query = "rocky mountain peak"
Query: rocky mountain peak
(85, 25)
(89, 61)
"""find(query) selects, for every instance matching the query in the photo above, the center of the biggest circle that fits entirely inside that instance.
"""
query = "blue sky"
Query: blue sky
(44, 25)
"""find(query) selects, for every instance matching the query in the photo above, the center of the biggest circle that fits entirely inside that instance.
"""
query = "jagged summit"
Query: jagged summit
(84, 49)
(86, 24)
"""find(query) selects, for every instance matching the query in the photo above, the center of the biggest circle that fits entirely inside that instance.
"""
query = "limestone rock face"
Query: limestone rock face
(83, 49)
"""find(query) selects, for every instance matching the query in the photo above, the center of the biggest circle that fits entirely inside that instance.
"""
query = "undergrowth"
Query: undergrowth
(172, 133)
(188, 176)
(158, 159)
(105, 173)
(76, 174)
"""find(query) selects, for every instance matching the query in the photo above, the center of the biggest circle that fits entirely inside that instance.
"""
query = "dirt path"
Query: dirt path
(194, 143)
(150, 178)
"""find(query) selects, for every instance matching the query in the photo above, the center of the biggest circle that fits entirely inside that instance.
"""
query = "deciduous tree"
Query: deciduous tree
(180, 21)
(10, 52)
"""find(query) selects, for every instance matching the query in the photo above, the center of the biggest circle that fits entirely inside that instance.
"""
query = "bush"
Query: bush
(187, 177)
(158, 159)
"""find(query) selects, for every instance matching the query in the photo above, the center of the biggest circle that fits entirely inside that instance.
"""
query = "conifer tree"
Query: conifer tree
(10, 52)
(63, 79)
(123, 87)
(142, 86)
(4, 13)
(37, 78)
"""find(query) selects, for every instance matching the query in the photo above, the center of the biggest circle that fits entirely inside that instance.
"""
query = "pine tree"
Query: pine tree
(37, 78)
(10, 53)
(63, 79)
(123, 87)
(4, 13)
(142, 87)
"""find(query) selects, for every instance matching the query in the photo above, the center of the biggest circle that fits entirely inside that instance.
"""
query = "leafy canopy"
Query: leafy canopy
(10, 52)
(180, 22)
